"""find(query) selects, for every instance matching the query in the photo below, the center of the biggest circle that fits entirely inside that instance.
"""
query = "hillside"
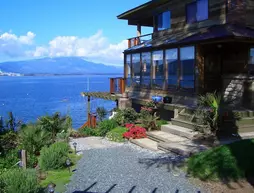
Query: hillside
(59, 65)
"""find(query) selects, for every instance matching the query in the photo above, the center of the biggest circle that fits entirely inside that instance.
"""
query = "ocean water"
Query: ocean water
(31, 97)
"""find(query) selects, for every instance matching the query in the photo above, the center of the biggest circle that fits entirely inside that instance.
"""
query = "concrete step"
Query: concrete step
(178, 130)
(146, 143)
(184, 149)
(185, 116)
(161, 136)
(186, 124)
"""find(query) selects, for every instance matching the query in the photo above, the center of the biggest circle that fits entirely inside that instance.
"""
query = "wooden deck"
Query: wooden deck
(102, 95)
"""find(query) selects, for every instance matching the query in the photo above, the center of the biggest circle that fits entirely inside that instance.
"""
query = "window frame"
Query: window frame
(196, 21)
(156, 20)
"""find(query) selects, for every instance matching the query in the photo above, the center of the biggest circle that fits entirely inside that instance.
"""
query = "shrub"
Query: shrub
(117, 134)
(54, 157)
(87, 131)
(128, 115)
(55, 124)
(105, 126)
(134, 132)
(101, 113)
(19, 181)
(228, 162)
(8, 141)
(63, 136)
(150, 122)
(32, 160)
(77, 134)
(9, 159)
(161, 122)
(33, 138)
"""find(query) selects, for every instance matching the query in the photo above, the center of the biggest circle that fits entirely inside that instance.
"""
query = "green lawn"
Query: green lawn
(60, 177)
(228, 162)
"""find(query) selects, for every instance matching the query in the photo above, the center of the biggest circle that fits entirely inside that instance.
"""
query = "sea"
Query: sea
(30, 97)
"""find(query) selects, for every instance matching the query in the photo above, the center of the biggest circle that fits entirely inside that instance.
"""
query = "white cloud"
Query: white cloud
(13, 46)
(95, 48)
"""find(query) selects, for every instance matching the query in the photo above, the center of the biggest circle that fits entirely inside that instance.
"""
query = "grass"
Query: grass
(227, 162)
(117, 134)
(61, 177)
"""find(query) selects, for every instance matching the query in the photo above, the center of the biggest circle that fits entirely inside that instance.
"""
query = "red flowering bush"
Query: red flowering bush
(134, 132)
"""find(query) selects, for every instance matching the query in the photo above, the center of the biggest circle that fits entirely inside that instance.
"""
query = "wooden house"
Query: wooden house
(197, 46)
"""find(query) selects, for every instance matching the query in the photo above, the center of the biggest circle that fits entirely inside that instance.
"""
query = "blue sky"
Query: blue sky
(41, 28)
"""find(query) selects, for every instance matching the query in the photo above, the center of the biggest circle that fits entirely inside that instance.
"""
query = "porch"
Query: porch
(216, 59)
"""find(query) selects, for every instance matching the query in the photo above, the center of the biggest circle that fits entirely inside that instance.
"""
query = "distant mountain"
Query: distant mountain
(59, 65)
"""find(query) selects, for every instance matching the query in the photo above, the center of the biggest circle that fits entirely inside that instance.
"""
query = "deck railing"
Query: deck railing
(117, 85)
(139, 40)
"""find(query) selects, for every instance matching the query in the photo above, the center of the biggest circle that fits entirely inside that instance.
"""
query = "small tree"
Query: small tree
(54, 124)
(11, 123)
(101, 113)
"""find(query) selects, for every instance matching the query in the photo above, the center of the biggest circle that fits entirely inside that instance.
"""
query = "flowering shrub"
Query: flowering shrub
(134, 132)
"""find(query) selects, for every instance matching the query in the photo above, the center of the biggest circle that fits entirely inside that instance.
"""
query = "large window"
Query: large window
(163, 20)
(187, 67)
(251, 56)
(172, 63)
(146, 69)
(129, 69)
(197, 11)
(158, 72)
(136, 65)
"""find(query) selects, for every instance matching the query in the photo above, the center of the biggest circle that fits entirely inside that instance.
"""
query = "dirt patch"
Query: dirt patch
(241, 186)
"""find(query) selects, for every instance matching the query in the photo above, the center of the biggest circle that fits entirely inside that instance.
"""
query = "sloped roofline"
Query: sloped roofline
(131, 11)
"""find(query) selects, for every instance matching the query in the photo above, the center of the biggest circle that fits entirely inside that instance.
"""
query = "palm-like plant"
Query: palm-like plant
(54, 124)
(33, 138)
(101, 112)
(212, 107)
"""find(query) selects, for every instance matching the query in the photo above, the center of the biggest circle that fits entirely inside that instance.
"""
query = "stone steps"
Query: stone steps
(186, 124)
(161, 136)
(183, 148)
(146, 143)
(178, 130)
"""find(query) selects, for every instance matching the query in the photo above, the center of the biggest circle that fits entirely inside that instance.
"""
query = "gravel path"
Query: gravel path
(108, 167)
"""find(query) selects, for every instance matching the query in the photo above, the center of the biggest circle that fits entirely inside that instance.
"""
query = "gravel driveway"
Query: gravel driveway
(126, 168)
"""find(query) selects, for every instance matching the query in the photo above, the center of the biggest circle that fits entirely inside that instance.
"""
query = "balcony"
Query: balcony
(117, 85)
(135, 41)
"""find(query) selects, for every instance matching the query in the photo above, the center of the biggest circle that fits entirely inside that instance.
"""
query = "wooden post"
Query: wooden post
(88, 106)
(138, 30)
(24, 159)
(129, 43)
(112, 88)
(179, 68)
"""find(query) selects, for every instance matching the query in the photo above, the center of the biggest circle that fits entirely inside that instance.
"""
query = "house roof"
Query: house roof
(195, 36)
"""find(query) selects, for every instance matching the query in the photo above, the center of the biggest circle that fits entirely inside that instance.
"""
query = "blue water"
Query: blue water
(31, 97)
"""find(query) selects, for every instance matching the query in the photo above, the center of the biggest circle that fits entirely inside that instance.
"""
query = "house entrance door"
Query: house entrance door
(213, 79)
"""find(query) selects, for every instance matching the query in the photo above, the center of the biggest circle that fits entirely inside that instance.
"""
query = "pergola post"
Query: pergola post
(88, 105)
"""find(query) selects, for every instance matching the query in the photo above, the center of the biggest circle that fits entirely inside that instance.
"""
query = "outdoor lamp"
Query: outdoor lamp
(75, 146)
(51, 187)
(68, 164)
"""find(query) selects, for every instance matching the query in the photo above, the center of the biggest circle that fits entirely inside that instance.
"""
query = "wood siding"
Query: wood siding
(217, 15)
(250, 13)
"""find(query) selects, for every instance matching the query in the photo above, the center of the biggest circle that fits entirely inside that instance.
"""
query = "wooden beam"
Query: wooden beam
(138, 30)
(112, 83)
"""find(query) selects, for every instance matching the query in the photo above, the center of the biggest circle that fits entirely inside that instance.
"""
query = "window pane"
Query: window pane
(146, 71)
(252, 56)
(128, 62)
(187, 67)
(191, 13)
(164, 20)
(136, 68)
(171, 58)
(158, 72)
(202, 10)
